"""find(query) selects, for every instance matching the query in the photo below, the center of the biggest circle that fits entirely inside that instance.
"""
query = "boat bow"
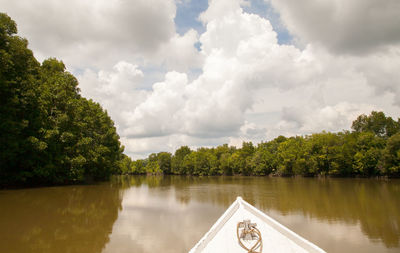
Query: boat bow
(225, 235)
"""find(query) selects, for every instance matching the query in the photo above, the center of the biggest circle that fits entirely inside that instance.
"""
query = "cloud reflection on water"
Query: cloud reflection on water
(171, 213)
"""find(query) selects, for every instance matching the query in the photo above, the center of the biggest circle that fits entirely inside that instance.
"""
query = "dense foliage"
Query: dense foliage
(371, 149)
(49, 134)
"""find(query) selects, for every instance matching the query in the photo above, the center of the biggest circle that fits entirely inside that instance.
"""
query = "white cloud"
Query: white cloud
(342, 26)
(97, 34)
(382, 73)
(308, 119)
(249, 88)
(246, 72)
(248, 132)
(179, 53)
(157, 115)
(118, 91)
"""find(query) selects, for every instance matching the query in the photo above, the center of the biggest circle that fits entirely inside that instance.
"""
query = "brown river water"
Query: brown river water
(171, 213)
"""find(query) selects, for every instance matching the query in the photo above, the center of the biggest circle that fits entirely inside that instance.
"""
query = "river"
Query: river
(171, 213)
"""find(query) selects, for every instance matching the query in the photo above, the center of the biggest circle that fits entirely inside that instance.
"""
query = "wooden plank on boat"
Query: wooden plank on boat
(223, 235)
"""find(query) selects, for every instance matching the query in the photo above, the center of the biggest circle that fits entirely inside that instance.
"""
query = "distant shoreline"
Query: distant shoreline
(269, 176)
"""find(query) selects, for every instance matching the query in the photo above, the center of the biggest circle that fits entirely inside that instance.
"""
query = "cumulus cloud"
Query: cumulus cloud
(118, 91)
(180, 54)
(157, 115)
(345, 27)
(97, 34)
(216, 102)
(250, 88)
(247, 86)
(306, 120)
(382, 73)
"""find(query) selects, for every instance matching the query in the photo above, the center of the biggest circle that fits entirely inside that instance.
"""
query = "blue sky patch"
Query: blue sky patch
(265, 10)
(187, 14)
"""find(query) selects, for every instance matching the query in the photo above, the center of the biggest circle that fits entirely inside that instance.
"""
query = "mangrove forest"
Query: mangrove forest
(49, 133)
(371, 149)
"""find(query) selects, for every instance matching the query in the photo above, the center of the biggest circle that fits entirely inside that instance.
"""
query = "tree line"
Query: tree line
(49, 133)
(372, 148)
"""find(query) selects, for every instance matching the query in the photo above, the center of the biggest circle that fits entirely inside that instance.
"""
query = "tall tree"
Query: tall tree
(164, 162)
(178, 158)
(392, 155)
(18, 103)
(49, 134)
(378, 123)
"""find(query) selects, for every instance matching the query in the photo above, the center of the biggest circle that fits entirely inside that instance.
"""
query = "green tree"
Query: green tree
(236, 162)
(164, 162)
(245, 156)
(325, 149)
(81, 139)
(189, 164)
(391, 155)
(152, 166)
(138, 167)
(378, 123)
(203, 162)
(368, 154)
(18, 104)
(345, 158)
(178, 158)
(125, 165)
(225, 164)
(49, 134)
(366, 151)
(260, 163)
(289, 153)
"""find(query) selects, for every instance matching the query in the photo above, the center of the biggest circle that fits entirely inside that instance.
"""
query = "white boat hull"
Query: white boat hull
(222, 237)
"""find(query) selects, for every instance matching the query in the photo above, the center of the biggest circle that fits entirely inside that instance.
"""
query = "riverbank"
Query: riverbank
(385, 177)
(370, 150)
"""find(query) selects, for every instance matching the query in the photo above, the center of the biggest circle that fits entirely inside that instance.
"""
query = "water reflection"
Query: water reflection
(152, 220)
(58, 219)
(359, 212)
(171, 213)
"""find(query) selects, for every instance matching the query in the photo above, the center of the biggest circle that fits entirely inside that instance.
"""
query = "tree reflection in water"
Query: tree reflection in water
(171, 213)
(373, 204)
(58, 219)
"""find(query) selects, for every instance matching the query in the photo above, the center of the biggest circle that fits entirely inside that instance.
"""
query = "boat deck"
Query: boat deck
(222, 237)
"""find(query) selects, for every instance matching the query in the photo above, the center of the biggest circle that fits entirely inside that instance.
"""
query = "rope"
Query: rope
(257, 245)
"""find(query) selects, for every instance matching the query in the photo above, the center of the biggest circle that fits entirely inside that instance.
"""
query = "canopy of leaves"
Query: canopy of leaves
(373, 149)
(49, 134)
(376, 123)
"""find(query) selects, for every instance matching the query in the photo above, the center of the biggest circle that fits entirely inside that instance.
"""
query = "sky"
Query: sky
(205, 73)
